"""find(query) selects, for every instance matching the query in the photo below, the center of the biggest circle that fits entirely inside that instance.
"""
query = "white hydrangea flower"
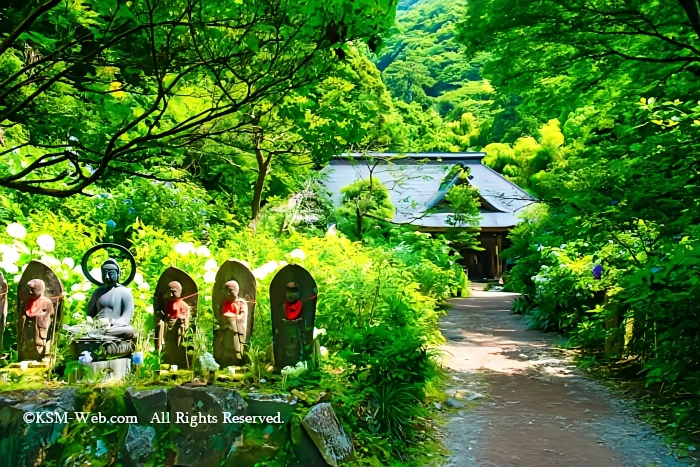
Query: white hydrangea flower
(297, 254)
(77, 316)
(70, 262)
(294, 371)
(76, 287)
(9, 268)
(10, 256)
(138, 278)
(46, 242)
(79, 297)
(86, 286)
(17, 278)
(208, 362)
(203, 251)
(210, 277)
(263, 271)
(184, 248)
(50, 261)
(21, 247)
(16, 230)
(211, 265)
(144, 286)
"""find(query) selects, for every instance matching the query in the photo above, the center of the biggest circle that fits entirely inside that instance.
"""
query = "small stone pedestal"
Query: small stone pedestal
(118, 368)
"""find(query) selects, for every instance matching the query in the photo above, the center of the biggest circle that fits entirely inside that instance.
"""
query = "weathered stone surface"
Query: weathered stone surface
(26, 444)
(144, 403)
(305, 450)
(201, 440)
(138, 445)
(329, 436)
(10, 399)
(270, 404)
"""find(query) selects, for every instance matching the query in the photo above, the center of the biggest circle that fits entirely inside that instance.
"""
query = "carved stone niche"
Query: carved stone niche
(293, 306)
(39, 301)
(175, 306)
(234, 312)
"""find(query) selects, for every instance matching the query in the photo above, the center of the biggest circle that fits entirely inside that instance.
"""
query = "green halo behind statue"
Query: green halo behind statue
(104, 246)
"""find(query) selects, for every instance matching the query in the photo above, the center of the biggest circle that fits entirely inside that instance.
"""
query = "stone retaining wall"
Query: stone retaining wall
(183, 425)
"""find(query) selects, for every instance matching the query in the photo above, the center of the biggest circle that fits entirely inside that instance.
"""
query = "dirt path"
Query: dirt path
(533, 407)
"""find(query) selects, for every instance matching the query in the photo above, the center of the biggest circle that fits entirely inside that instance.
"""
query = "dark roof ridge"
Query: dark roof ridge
(452, 156)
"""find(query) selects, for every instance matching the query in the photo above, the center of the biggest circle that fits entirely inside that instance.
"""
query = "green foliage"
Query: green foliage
(527, 160)
(365, 205)
(137, 89)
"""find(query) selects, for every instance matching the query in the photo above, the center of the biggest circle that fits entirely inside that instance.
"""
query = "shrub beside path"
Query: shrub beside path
(526, 403)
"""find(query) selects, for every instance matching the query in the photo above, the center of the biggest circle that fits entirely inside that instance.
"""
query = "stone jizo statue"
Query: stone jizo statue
(39, 296)
(293, 306)
(234, 318)
(175, 303)
(233, 300)
(38, 311)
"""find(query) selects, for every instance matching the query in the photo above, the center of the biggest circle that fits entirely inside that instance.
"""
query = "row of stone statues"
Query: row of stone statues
(175, 303)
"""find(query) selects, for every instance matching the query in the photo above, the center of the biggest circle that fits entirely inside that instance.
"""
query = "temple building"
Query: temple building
(418, 183)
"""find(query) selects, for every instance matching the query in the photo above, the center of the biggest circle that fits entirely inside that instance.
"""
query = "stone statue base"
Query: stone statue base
(117, 369)
(102, 350)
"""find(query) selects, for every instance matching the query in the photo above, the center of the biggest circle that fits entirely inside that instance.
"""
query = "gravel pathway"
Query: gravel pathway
(529, 404)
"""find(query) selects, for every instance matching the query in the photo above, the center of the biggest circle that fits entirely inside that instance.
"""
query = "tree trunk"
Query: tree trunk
(692, 11)
(263, 165)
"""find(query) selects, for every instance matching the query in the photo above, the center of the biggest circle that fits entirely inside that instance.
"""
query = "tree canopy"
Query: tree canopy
(94, 89)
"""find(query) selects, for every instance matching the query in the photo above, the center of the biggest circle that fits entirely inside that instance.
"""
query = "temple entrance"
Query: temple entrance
(489, 263)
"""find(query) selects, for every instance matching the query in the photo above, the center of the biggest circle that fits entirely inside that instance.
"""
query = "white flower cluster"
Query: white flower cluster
(184, 248)
(210, 275)
(10, 256)
(268, 268)
(297, 254)
(16, 230)
(208, 362)
(188, 248)
(294, 371)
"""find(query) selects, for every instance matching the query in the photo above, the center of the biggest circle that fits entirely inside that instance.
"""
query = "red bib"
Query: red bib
(177, 309)
(35, 306)
(231, 308)
(292, 310)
